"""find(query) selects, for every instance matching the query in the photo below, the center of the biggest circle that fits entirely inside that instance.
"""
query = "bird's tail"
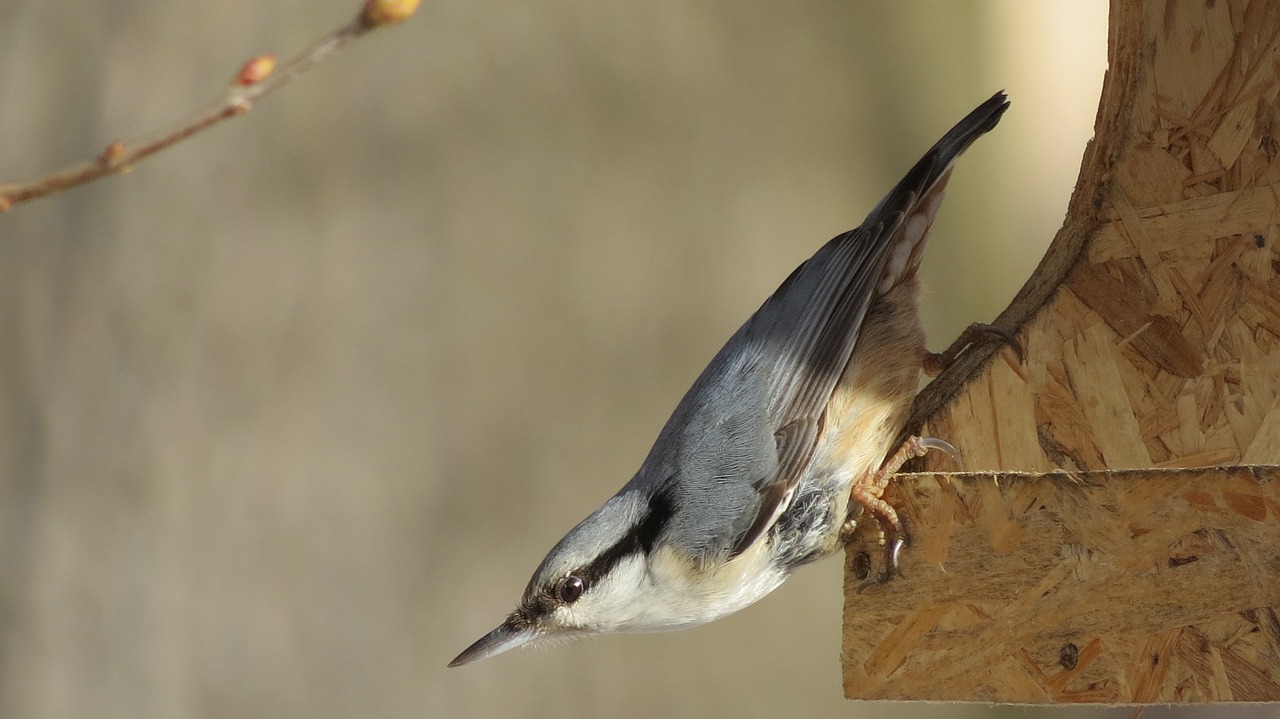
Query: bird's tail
(914, 201)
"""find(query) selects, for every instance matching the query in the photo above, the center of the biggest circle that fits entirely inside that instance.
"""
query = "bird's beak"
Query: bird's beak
(515, 632)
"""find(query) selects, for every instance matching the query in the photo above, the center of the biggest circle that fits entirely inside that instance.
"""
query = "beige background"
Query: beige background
(289, 414)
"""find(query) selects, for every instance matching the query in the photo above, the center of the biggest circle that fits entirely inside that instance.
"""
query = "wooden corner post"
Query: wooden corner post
(1121, 541)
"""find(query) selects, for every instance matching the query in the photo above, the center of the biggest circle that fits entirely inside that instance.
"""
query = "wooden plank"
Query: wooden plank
(1150, 575)
(1115, 587)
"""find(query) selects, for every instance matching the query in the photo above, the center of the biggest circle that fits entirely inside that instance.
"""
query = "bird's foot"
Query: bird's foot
(935, 362)
(868, 494)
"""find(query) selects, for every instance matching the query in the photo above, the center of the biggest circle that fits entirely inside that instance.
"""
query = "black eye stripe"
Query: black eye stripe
(640, 539)
(661, 510)
(538, 606)
(542, 600)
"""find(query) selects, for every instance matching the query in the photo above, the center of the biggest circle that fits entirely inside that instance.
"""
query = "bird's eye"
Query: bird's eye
(570, 588)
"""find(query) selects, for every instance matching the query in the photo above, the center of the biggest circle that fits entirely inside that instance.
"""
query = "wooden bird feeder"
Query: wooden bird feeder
(1122, 541)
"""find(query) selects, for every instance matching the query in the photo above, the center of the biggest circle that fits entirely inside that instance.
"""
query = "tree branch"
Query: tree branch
(257, 78)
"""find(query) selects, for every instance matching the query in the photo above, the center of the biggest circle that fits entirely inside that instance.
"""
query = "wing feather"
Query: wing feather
(759, 405)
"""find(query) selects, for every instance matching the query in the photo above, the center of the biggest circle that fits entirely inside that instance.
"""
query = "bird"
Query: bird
(781, 446)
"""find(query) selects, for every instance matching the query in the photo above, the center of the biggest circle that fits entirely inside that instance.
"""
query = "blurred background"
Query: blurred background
(289, 414)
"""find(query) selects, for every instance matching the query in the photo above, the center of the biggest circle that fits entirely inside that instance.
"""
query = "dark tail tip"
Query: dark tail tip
(977, 123)
(930, 168)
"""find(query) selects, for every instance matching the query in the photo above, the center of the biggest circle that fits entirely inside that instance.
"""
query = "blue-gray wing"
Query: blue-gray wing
(737, 444)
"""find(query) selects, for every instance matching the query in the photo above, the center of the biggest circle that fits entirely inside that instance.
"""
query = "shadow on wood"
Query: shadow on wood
(1152, 337)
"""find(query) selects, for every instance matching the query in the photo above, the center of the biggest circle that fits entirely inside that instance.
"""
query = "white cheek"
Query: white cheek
(616, 601)
(637, 596)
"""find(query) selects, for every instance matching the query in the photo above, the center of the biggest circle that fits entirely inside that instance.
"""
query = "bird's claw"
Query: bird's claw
(935, 362)
(868, 492)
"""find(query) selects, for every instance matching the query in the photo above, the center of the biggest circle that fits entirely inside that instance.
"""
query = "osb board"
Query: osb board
(1142, 586)
(1162, 347)
(1152, 340)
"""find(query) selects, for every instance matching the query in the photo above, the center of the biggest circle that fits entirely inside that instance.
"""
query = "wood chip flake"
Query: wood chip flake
(893, 650)
(1265, 447)
(1200, 219)
(1135, 231)
(1233, 132)
(1013, 414)
(1189, 425)
(1106, 405)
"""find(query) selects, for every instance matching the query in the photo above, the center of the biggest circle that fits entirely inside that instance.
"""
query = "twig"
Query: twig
(256, 78)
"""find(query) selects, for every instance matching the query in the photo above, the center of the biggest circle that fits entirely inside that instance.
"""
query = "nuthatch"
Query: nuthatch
(778, 448)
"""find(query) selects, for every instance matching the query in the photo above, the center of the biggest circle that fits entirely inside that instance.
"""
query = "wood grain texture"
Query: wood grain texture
(1151, 332)
(1143, 586)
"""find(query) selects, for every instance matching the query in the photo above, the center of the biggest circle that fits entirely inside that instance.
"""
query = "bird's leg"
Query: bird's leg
(868, 493)
(935, 362)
